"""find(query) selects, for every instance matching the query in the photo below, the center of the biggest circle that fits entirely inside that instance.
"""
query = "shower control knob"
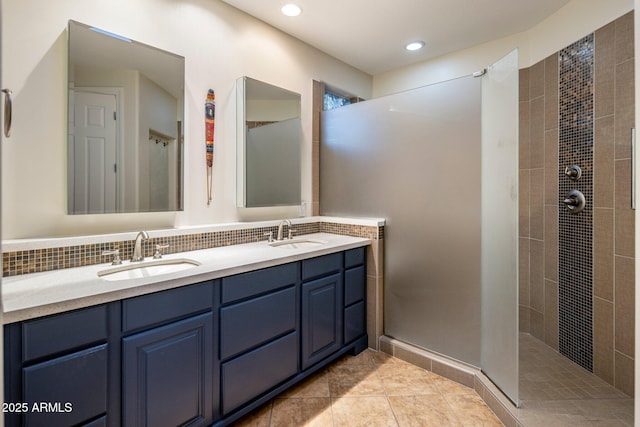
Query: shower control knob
(571, 201)
(573, 172)
(575, 201)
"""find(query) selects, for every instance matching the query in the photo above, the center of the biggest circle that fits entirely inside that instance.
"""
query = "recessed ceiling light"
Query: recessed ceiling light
(291, 9)
(417, 45)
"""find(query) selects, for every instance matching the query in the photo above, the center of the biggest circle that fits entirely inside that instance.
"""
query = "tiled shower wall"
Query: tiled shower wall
(548, 267)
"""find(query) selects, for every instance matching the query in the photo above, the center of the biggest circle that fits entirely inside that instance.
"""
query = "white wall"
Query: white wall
(219, 43)
(572, 22)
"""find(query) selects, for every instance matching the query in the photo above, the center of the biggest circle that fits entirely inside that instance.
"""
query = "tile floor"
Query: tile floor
(374, 389)
(556, 392)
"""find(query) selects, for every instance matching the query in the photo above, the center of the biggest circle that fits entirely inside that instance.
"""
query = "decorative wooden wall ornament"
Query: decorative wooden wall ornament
(210, 115)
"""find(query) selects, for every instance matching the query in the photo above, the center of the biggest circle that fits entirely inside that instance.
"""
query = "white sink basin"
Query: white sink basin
(297, 243)
(147, 269)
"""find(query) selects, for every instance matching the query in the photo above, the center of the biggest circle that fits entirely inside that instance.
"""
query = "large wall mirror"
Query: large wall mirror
(126, 120)
(269, 145)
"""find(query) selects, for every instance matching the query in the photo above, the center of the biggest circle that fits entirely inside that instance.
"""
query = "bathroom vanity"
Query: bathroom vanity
(199, 347)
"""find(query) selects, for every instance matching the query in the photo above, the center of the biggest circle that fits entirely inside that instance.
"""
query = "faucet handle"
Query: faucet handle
(269, 236)
(291, 231)
(158, 254)
(116, 256)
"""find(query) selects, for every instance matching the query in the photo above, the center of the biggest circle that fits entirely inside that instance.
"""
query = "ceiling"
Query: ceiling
(370, 34)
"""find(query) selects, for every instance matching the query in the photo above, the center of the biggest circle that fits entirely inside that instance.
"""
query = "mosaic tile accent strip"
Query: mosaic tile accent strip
(48, 259)
(374, 233)
(575, 239)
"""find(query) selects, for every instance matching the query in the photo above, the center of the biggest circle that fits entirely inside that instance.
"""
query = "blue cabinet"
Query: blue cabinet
(167, 357)
(259, 324)
(202, 354)
(355, 290)
(57, 370)
(321, 318)
(167, 374)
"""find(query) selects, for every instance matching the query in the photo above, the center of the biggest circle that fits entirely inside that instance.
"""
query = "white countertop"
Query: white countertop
(39, 294)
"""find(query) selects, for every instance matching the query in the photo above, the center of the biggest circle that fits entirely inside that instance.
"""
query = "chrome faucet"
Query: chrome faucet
(142, 236)
(281, 226)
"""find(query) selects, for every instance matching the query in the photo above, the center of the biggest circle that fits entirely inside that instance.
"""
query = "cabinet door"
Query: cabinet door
(167, 374)
(322, 312)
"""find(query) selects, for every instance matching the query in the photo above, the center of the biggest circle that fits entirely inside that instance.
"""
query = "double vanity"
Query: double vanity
(193, 338)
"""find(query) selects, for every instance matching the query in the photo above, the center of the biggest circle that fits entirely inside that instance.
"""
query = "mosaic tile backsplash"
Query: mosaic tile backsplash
(48, 259)
(575, 241)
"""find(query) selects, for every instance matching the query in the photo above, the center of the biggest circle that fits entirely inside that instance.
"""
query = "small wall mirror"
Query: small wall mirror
(269, 145)
(126, 120)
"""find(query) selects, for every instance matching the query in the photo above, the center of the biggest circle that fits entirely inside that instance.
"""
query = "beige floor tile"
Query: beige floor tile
(423, 411)
(369, 411)
(315, 386)
(405, 380)
(375, 389)
(446, 386)
(472, 411)
(354, 380)
(556, 392)
(299, 412)
(381, 358)
(363, 358)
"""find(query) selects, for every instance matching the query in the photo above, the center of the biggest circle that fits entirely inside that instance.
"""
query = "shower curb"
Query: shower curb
(457, 371)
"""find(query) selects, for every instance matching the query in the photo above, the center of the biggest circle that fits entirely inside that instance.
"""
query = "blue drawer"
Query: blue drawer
(79, 379)
(354, 257)
(354, 285)
(258, 282)
(258, 371)
(165, 306)
(354, 322)
(253, 322)
(321, 266)
(63, 332)
(100, 422)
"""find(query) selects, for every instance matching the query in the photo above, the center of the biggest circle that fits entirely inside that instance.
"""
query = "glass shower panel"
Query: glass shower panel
(414, 159)
(500, 224)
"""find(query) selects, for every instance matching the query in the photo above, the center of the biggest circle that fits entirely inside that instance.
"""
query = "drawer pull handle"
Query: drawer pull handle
(8, 106)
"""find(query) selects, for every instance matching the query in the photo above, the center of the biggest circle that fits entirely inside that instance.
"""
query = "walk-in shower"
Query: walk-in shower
(576, 120)
(439, 163)
(417, 158)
